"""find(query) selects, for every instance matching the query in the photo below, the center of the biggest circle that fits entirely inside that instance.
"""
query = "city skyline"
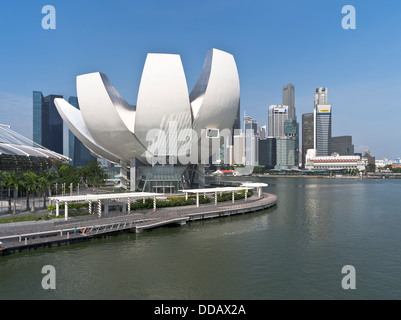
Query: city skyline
(352, 64)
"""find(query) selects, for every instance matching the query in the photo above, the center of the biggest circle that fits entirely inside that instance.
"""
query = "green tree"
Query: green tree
(44, 184)
(30, 182)
(93, 174)
(51, 177)
(257, 169)
(396, 169)
(2, 182)
(7, 183)
(371, 167)
(68, 174)
(12, 181)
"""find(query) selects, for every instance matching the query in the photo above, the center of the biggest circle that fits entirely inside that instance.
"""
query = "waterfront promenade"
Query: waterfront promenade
(17, 237)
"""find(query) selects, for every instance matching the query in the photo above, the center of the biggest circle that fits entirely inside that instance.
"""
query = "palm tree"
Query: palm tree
(2, 184)
(51, 177)
(30, 182)
(13, 181)
(44, 183)
(8, 183)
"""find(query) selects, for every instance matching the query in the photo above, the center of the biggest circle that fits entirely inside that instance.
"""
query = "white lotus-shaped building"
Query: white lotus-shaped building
(129, 135)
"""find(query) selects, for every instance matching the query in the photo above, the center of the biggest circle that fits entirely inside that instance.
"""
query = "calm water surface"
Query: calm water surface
(295, 250)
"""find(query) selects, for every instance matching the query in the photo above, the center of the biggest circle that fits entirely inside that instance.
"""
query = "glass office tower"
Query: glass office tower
(291, 129)
(47, 123)
(267, 153)
(307, 134)
(251, 141)
(48, 130)
(342, 145)
(79, 154)
(289, 99)
(322, 121)
(276, 118)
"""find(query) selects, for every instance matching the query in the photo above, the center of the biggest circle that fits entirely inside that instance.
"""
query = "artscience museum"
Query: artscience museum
(170, 135)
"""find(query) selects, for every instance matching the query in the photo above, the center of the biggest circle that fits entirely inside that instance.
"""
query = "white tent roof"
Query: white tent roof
(254, 184)
(209, 190)
(109, 196)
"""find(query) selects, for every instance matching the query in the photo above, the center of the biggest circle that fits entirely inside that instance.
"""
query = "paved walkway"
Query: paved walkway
(141, 219)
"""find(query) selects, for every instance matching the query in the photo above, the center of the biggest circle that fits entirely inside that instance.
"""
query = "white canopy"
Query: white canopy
(108, 196)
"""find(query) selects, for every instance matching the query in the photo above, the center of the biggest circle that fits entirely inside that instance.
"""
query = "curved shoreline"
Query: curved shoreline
(34, 236)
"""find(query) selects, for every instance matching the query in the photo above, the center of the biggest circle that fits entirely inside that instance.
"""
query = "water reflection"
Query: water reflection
(294, 250)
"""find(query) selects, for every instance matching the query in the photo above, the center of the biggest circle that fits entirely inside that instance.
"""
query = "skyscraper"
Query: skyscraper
(291, 129)
(250, 124)
(262, 132)
(251, 141)
(322, 121)
(289, 99)
(307, 134)
(47, 123)
(237, 121)
(239, 149)
(49, 130)
(267, 153)
(79, 154)
(276, 117)
(342, 145)
(285, 157)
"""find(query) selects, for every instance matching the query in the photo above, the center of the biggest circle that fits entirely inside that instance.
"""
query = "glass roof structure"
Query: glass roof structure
(18, 153)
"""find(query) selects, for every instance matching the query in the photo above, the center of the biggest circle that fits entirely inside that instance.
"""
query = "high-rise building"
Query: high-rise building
(47, 123)
(49, 130)
(307, 134)
(322, 122)
(289, 99)
(262, 132)
(250, 124)
(342, 145)
(79, 154)
(237, 121)
(369, 157)
(267, 153)
(291, 129)
(251, 141)
(285, 157)
(321, 96)
(239, 149)
(276, 117)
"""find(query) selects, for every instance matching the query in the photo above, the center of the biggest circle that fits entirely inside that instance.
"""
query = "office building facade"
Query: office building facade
(50, 132)
(285, 153)
(322, 123)
(342, 145)
(307, 134)
(267, 153)
(262, 132)
(251, 141)
(79, 154)
(291, 129)
(276, 118)
(47, 123)
(289, 99)
(237, 120)
(239, 149)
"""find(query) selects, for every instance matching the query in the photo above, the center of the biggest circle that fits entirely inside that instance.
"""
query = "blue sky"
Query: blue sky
(273, 42)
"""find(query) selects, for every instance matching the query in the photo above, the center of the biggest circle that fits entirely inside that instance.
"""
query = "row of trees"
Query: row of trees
(28, 181)
(90, 175)
(393, 170)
